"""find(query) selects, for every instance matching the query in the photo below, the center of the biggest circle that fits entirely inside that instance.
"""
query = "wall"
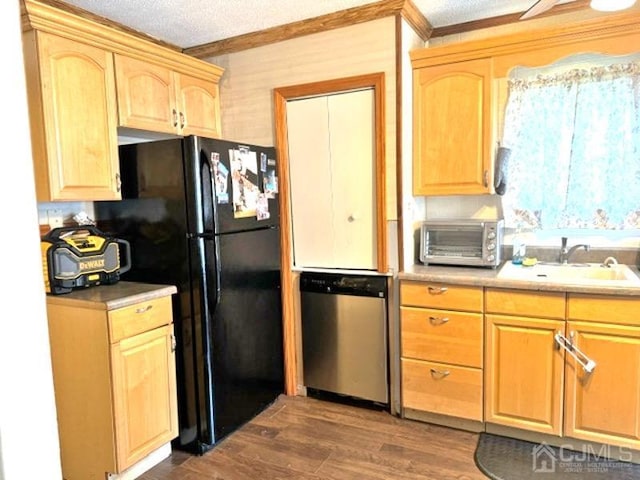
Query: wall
(246, 87)
(413, 208)
(29, 447)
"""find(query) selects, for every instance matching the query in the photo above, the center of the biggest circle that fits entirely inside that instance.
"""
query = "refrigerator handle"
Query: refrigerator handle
(208, 305)
(208, 162)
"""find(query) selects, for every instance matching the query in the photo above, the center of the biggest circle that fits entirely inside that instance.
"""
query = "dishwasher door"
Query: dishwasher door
(344, 334)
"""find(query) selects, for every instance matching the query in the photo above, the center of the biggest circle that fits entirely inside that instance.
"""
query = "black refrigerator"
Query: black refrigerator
(202, 214)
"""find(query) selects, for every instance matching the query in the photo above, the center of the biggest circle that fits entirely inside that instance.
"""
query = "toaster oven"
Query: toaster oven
(467, 242)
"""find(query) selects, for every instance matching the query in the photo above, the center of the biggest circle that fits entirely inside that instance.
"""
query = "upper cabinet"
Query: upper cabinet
(85, 80)
(457, 88)
(452, 128)
(73, 119)
(154, 97)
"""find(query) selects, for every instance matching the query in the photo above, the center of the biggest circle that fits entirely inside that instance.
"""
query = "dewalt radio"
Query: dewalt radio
(74, 257)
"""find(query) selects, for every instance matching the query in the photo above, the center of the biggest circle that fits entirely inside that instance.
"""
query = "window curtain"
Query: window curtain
(575, 149)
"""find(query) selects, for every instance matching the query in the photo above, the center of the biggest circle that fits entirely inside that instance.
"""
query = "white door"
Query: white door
(332, 169)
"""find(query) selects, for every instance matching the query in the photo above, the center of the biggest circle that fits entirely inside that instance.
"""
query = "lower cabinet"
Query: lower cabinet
(115, 384)
(524, 373)
(517, 358)
(604, 406)
(441, 344)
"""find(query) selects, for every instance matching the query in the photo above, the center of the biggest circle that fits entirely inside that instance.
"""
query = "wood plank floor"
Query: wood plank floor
(309, 439)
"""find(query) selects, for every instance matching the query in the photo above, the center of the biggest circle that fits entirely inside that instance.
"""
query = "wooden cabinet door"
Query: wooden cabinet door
(604, 405)
(144, 394)
(198, 107)
(452, 128)
(79, 109)
(146, 95)
(524, 373)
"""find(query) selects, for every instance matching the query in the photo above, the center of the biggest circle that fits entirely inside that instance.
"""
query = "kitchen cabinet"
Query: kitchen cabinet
(604, 405)
(524, 370)
(453, 128)
(73, 118)
(156, 98)
(112, 352)
(87, 83)
(441, 349)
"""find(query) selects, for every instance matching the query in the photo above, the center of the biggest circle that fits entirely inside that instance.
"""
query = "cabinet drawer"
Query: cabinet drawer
(527, 304)
(441, 388)
(138, 318)
(439, 295)
(604, 309)
(442, 336)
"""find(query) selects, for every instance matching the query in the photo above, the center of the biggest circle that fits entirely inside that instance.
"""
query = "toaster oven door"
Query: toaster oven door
(453, 245)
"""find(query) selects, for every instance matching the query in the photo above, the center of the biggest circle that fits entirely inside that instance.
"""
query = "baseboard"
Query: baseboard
(444, 420)
(148, 462)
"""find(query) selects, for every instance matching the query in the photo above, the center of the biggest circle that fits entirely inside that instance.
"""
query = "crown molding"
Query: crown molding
(344, 18)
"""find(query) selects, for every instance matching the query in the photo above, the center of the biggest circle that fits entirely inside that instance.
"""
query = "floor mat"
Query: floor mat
(503, 458)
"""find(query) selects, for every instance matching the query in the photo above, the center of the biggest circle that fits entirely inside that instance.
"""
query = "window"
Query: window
(574, 136)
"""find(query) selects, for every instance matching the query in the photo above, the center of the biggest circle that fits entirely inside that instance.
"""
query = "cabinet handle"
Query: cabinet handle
(118, 182)
(144, 309)
(181, 120)
(567, 344)
(438, 320)
(486, 179)
(437, 290)
(175, 117)
(439, 373)
(173, 342)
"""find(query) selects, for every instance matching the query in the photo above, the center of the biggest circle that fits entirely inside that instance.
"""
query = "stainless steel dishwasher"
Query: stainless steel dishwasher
(344, 334)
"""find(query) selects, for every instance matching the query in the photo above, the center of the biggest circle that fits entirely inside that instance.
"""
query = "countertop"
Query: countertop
(111, 297)
(488, 277)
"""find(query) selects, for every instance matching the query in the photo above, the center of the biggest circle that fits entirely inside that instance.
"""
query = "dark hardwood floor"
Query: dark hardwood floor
(309, 439)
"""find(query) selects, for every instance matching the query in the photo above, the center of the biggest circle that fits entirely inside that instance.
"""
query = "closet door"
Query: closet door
(352, 160)
(332, 174)
(310, 177)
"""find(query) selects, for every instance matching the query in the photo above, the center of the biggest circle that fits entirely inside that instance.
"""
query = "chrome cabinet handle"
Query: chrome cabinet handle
(438, 320)
(175, 117)
(486, 178)
(118, 182)
(440, 373)
(182, 120)
(173, 342)
(437, 290)
(144, 309)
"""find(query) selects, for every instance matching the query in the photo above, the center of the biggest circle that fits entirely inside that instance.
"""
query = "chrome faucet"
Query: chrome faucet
(565, 253)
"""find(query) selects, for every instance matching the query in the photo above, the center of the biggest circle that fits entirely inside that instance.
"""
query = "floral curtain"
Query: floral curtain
(575, 149)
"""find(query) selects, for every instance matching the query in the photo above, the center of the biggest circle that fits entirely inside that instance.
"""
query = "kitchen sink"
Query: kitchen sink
(572, 273)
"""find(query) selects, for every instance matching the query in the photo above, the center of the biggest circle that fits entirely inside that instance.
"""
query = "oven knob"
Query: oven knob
(491, 246)
(491, 235)
(491, 258)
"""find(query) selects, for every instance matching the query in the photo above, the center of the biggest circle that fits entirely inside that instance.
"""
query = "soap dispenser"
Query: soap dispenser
(519, 246)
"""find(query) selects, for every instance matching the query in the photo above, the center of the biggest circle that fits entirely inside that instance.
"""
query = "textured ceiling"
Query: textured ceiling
(187, 23)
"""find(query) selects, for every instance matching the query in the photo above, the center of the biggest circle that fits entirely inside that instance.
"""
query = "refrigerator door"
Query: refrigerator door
(243, 178)
(240, 345)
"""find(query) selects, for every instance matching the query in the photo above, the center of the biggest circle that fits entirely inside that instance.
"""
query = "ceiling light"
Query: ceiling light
(611, 5)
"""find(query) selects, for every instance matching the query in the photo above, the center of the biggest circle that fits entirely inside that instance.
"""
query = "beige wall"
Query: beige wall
(412, 207)
(246, 87)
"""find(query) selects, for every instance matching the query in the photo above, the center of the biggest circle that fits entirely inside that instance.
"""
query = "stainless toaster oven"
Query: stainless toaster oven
(464, 242)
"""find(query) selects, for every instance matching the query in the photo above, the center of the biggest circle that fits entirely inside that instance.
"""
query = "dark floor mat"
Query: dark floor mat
(503, 458)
